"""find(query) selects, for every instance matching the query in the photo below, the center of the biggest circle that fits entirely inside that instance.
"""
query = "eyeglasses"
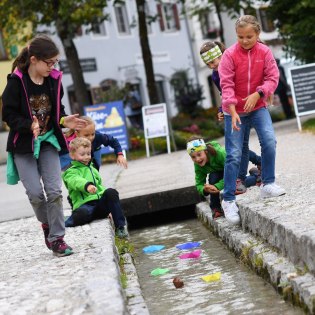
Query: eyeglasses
(51, 63)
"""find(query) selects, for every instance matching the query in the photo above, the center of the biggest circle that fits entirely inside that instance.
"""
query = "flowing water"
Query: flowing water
(239, 291)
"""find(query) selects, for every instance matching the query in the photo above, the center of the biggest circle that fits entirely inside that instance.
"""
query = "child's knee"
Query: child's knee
(111, 194)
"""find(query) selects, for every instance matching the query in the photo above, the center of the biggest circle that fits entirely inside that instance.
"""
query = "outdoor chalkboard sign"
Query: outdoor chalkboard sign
(303, 89)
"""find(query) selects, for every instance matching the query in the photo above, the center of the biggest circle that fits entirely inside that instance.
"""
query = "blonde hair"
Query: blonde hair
(78, 142)
(246, 20)
(210, 149)
(89, 121)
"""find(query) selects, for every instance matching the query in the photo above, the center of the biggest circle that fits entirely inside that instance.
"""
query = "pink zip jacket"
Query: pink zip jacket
(243, 72)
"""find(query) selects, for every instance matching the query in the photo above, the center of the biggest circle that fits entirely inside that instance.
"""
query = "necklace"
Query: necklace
(38, 82)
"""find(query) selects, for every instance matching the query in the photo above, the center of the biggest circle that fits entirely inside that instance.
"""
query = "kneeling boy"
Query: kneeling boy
(91, 200)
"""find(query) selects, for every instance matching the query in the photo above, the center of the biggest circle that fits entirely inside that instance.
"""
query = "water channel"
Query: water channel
(239, 291)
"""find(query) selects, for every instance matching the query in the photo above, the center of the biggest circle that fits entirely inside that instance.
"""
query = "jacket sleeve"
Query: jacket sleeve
(12, 112)
(227, 75)
(271, 75)
(108, 140)
(62, 107)
(73, 180)
(200, 180)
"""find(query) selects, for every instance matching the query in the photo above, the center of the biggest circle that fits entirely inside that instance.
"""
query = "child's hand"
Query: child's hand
(251, 101)
(73, 122)
(35, 127)
(91, 189)
(122, 161)
(236, 119)
(220, 116)
(210, 189)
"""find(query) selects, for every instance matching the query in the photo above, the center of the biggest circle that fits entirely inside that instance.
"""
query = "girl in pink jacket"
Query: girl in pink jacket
(248, 76)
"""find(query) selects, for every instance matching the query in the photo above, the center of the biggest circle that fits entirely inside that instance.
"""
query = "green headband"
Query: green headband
(211, 54)
(196, 146)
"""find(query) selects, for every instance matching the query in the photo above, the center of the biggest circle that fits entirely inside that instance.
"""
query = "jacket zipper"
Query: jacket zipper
(249, 72)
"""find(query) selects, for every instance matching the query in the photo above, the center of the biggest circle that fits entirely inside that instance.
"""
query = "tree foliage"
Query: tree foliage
(295, 20)
(66, 16)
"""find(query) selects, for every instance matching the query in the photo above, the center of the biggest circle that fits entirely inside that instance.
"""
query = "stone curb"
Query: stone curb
(294, 284)
(33, 281)
(265, 219)
(135, 301)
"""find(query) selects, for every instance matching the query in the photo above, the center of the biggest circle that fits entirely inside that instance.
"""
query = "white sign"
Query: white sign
(155, 123)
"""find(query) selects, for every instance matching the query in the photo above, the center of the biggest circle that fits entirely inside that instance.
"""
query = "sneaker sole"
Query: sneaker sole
(66, 253)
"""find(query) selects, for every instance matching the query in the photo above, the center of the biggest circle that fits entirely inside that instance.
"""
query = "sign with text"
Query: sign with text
(109, 118)
(303, 89)
(155, 124)
(87, 65)
(155, 121)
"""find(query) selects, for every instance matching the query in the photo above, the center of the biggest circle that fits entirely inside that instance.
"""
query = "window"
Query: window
(208, 26)
(168, 15)
(265, 20)
(3, 53)
(122, 19)
(98, 28)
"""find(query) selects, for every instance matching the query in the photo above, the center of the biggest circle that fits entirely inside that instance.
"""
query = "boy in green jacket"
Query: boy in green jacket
(91, 200)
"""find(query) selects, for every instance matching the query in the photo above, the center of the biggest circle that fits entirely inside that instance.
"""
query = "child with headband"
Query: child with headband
(209, 160)
(211, 53)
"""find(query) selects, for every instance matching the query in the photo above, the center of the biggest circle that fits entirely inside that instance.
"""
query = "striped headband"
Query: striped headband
(211, 54)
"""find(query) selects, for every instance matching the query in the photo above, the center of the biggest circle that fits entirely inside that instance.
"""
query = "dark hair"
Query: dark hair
(41, 46)
(211, 150)
(208, 45)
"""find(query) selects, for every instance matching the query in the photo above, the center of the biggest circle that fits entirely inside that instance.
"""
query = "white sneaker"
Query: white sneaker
(231, 212)
(271, 190)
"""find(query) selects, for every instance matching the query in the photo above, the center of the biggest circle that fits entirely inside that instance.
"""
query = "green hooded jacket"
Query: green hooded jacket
(215, 164)
(77, 178)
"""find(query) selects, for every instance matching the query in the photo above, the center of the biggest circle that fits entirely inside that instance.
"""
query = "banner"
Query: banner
(110, 119)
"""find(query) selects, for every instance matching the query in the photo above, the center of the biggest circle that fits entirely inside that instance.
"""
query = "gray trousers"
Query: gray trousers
(42, 180)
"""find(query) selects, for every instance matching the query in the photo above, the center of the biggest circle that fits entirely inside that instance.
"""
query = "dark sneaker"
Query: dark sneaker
(45, 228)
(121, 232)
(60, 248)
(240, 187)
(255, 171)
(217, 213)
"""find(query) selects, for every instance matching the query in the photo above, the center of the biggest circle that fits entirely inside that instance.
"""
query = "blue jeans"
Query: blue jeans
(260, 120)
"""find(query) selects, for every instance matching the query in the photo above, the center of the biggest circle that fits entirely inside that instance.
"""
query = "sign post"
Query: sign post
(303, 90)
(155, 124)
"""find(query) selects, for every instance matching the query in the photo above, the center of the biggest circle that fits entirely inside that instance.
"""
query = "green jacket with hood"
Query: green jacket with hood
(77, 178)
(215, 164)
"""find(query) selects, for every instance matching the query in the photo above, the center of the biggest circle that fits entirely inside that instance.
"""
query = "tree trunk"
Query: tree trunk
(80, 91)
(146, 52)
(218, 9)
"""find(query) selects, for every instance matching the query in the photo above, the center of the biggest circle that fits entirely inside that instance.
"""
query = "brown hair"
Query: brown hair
(78, 142)
(246, 20)
(208, 45)
(210, 149)
(41, 46)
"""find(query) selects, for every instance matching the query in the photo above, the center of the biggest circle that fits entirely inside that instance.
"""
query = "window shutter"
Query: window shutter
(159, 10)
(176, 17)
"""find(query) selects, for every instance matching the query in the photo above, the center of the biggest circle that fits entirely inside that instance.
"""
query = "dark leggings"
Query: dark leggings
(99, 209)
(215, 198)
